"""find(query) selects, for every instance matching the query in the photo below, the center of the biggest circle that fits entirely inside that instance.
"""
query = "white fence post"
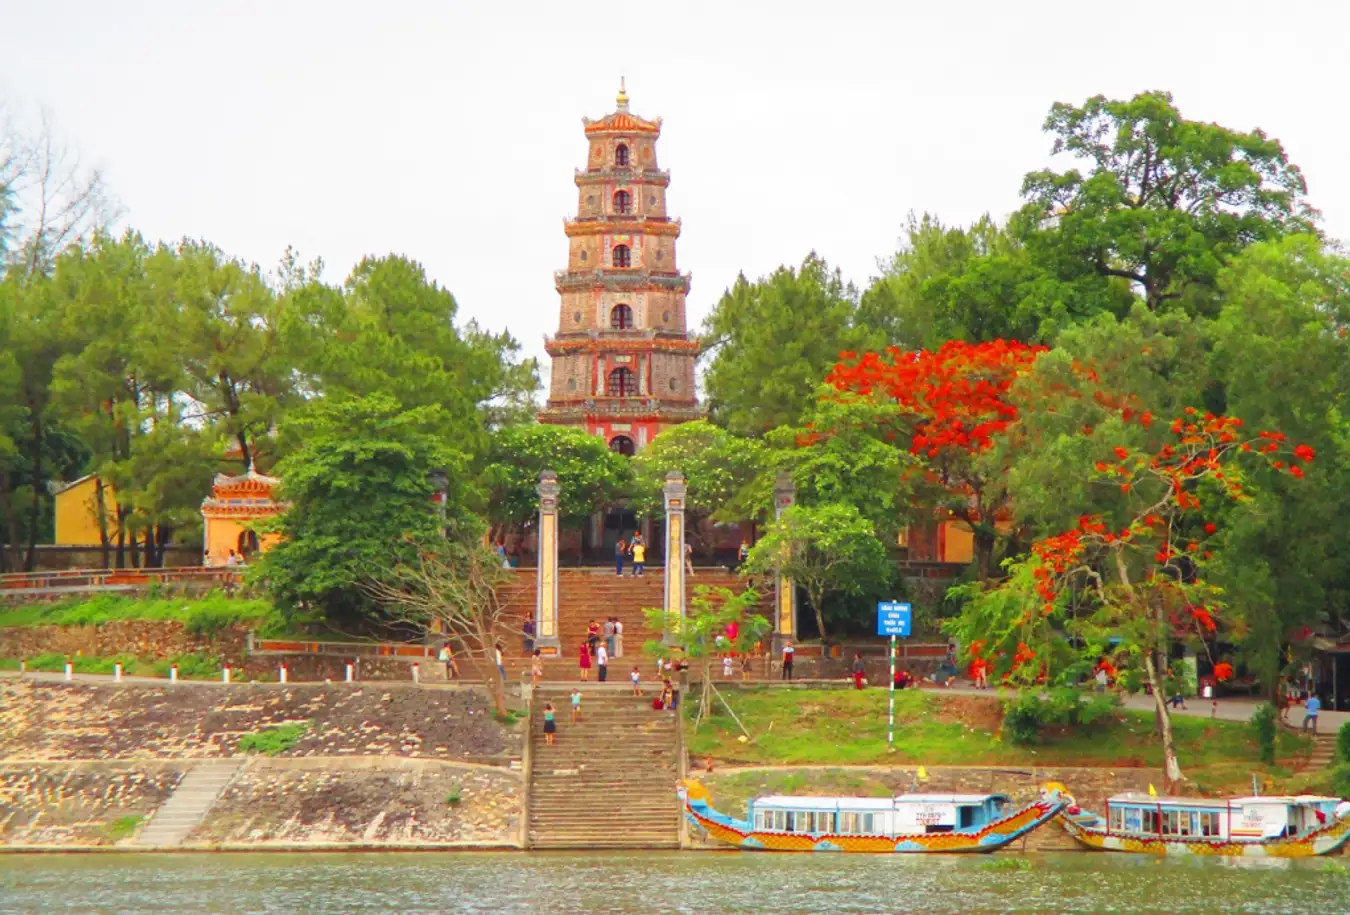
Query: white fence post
(70, 671)
(117, 673)
(283, 673)
(417, 673)
(225, 674)
(173, 673)
(351, 673)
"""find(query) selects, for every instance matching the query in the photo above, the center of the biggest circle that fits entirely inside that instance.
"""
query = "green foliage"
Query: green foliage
(122, 828)
(590, 475)
(828, 550)
(190, 666)
(1343, 746)
(453, 798)
(1340, 780)
(701, 630)
(1166, 201)
(720, 470)
(272, 741)
(772, 342)
(203, 617)
(1034, 709)
(1265, 724)
(360, 499)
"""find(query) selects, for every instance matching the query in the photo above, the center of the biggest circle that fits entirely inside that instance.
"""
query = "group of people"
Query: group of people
(602, 644)
(636, 548)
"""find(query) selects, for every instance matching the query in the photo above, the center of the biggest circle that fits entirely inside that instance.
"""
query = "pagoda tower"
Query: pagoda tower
(623, 361)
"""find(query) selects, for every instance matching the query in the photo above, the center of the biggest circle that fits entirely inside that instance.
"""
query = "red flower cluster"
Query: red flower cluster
(1223, 671)
(958, 394)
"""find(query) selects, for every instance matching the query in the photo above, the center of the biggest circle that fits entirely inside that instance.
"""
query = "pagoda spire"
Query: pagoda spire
(622, 99)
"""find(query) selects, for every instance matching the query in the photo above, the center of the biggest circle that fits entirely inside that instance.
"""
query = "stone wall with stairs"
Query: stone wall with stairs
(193, 799)
(609, 781)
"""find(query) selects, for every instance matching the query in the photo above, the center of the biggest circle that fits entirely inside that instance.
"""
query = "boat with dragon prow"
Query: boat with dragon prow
(906, 823)
(1275, 826)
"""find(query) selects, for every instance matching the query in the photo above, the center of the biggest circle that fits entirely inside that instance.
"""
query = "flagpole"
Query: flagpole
(890, 729)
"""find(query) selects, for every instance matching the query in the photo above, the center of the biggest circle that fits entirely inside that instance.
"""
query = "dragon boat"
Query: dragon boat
(911, 823)
(1289, 826)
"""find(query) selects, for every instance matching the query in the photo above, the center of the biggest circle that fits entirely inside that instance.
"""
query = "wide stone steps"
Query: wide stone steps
(189, 803)
(609, 781)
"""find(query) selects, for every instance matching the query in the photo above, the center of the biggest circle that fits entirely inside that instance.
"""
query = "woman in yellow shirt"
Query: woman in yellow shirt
(639, 556)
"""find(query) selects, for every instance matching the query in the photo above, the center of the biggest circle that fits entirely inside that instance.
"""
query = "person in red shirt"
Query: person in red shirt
(584, 661)
(788, 652)
(859, 670)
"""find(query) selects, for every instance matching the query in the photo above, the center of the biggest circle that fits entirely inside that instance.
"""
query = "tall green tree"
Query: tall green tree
(773, 340)
(829, 550)
(718, 468)
(360, 500)
(1165, 201)
(590, 475)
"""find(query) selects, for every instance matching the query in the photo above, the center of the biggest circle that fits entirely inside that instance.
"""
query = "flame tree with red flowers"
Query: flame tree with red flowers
(1132, 574)
(955, 408)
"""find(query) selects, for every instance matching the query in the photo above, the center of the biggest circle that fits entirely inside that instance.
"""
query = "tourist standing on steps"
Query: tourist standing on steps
(620, 551)
(1311, 707)
(681, 681)
(447, 657)
(592, 635)
(537, 668)
(584, 661)
(667, 696)
(618, 637)
(636, 676)
(609, 635)
(528, 630)
(501, 662)
(788, 652)
(745, 666)
(576, 705)
(602, 661)
(550, 726)
(639, 555)
(726, 666)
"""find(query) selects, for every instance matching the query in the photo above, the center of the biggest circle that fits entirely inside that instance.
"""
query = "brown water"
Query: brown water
(661, 882)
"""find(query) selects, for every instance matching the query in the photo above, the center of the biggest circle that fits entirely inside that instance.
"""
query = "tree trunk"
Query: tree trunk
(101, 506)
(11, 528)
(36, 480)
(985, 540)
(706, 697)
(495, 683)
(1171, 768)
(817, 599)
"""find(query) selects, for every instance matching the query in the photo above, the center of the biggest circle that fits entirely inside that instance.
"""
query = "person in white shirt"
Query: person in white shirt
(602, 660)
(618, 638)
(726, 666)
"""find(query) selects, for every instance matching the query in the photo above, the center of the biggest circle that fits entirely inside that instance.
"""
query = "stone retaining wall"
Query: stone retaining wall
(79, 803)
(147, 639)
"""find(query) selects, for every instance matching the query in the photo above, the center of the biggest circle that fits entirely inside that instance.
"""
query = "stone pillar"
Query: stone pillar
(674, 492)
(546, 576)
(785, 590)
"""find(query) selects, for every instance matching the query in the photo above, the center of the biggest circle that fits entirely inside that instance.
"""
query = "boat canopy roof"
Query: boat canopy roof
(1212, 803)
(798, 802)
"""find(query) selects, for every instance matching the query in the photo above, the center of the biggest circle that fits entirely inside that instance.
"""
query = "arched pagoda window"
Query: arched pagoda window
(622, 444)
(623, 202)
(621, 317)
(622, 256)
(621, 156)
(621, 383)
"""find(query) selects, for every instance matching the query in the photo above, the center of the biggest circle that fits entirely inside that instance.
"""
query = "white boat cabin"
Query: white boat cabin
(1240, 818)
(905, 814)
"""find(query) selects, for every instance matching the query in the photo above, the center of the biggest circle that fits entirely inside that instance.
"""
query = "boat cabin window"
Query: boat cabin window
(780, 820)
(855, 824)
(965, 817)
(1117, 820)
(1151, 824)
(1209, 823)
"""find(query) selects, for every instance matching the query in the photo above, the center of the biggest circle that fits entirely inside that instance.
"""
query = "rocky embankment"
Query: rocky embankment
(85, 764)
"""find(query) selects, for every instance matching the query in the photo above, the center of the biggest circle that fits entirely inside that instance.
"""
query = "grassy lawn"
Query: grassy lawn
(203, 616)
(848, 727)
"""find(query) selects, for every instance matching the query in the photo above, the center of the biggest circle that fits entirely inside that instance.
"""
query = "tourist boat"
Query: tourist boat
(1274, 827)
(904, 823)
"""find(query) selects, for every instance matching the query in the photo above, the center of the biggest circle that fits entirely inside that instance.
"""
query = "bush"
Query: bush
(122, 828)
(453, 798)
(1264, 725)
(190, 667)
(1132, 681)
(1343, 746)
(203, 617)
(1022, 720)
(1340, 780)
(272, 741)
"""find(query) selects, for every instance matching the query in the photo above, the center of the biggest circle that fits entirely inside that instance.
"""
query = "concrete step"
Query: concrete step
(189, 803)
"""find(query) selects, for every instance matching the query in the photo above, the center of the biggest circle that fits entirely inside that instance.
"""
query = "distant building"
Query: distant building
(229, 514)
(76, 510)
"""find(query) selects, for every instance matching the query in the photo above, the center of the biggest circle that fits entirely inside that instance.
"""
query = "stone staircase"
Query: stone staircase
(1323, 752)
(189, 804)
(609, 781)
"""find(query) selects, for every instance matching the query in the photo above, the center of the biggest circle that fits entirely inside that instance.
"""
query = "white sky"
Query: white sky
(449, 131)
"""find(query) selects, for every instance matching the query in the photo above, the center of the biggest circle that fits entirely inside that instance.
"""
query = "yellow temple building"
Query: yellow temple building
(76, 512)
(229, 515)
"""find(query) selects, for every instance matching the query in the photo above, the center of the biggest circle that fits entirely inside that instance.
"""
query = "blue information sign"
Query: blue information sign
(894, 618)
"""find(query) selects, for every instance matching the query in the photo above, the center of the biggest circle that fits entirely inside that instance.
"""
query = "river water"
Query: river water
(661, 882)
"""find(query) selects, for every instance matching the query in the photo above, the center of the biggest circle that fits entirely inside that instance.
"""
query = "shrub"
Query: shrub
(1022, 720)
(272, 741)
(453, 797)
(1340, 780)
(1132, 681)
(190, 667)
(1264, 725)
(122, 828)
(1343, 746)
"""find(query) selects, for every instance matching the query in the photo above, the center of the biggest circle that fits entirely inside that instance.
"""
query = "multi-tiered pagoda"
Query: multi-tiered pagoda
(623, 361)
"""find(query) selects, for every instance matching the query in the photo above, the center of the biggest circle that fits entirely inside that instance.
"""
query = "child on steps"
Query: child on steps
(550, 726)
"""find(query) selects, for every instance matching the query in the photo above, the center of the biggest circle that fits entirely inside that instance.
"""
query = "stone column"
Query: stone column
(785, 590)
(546, 576)
(674, 492)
